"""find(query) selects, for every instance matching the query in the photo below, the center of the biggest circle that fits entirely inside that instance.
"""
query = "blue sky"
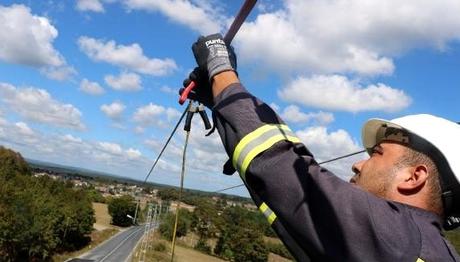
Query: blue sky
(93, 83)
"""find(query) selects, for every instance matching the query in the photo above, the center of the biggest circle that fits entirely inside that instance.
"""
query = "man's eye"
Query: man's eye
(376, 151)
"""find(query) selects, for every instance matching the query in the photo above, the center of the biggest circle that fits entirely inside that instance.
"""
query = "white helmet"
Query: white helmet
(438, 138)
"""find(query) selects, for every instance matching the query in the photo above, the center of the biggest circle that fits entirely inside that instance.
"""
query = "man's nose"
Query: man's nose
(356, 168)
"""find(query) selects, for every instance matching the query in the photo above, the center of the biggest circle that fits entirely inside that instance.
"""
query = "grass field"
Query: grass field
(103, 218)
(182, 253)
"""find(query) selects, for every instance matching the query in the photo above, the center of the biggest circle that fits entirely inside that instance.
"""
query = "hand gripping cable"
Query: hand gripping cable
(234, 27)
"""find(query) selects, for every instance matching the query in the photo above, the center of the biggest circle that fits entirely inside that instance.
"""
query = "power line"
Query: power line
(324, 162)
(159, 156)
(342, 157)
(167, 142)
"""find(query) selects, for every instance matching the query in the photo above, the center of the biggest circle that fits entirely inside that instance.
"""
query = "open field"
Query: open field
(160, 251)
(103, 218)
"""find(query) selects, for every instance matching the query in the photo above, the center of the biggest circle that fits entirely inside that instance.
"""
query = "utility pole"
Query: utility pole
(135, 212)
(145, 237)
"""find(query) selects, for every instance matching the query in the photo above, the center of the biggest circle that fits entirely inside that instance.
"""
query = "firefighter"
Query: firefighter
(394, 207)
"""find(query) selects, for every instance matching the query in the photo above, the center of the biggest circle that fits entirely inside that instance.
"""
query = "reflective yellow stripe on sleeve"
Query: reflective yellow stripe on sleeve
(420, 260)
(268, 213)
(257, 142)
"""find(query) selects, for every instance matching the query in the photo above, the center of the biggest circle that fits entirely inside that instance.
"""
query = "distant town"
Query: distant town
(114, 186)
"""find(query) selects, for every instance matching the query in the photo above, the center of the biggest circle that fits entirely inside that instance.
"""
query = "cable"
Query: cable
(167, 142)
(182, 176)
(341, 157)
(324, 162)
(158, 158)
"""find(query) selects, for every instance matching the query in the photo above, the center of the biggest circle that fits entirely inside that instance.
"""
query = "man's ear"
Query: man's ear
(414, 179)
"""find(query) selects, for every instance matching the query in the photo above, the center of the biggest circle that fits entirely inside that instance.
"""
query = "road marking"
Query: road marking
(121, 243)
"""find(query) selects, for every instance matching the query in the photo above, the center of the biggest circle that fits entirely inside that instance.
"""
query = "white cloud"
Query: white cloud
(39, 106)
(24, 129)
(69, 150)
(169, 90)
(326, 145)
(113, 110)
(347, 36)
(338, 93)
(59, 73)
(197, 15)
(111, 148)
(146, 114)
(133, 153)
(90, 5)
(92, 88)
(31, 45)
(275, 107)
(293, 114)
(27, 45)
(172, 113)
(124, 82)
(129, 57)
(153, 114)
(68, 138)
(139, 130)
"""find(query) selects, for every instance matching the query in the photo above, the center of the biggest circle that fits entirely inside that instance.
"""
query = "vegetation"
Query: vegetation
(94, 195)
(183, 224)
(39, 216)
(454, 238)
(279, 249)
(120, 208)
(239, 232)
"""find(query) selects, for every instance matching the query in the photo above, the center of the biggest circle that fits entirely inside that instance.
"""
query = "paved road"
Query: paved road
(116, 249)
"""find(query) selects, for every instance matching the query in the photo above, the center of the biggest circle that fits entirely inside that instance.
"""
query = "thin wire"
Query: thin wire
(158, 158)
(182, 176)
(167, 142)
(324, 162)
(341, 157)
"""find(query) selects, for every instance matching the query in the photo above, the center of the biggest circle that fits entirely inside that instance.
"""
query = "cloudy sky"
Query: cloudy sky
(93, 83)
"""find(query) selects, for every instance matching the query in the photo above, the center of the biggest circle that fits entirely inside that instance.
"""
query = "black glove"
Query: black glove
(203, 91)
(213, 55)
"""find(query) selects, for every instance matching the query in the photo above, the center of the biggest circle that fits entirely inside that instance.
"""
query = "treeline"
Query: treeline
(194, 197)
(239, 231)
(39, 216)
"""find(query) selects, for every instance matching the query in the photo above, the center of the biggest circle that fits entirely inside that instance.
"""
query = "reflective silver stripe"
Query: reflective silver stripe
(258, 141)
(268, 213)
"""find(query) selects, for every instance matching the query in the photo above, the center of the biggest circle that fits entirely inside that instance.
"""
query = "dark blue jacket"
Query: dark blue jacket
(318, 216)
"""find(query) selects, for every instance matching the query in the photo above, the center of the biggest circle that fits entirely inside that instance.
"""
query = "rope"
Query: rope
(324, 162)
(182, 175)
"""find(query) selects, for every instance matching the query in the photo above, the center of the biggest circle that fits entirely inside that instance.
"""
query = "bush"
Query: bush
(279, 249)
(160, 247)
(120, 208)
(183, 224)
(202, 246)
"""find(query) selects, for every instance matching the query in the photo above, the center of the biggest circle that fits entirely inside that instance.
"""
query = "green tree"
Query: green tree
(183, 224)
(12, 164)
(95, 195)
(240, 237)
(33, 213)
(119, 208)
(168, 194)
(205, 219)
